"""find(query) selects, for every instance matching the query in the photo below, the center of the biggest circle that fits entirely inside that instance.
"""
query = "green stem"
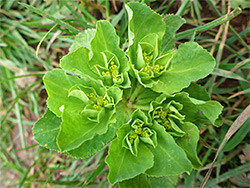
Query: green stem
(209, 25)
(141, 107)
(135, 93)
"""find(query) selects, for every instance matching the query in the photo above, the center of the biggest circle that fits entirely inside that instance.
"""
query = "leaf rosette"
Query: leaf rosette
(101, 60)
(167, 114)
(149, 66)
(171, 111)
(96, 98)
(86, 107)
(98, 112)
(145, 97)
(141, 131)
(144, 144)
(110, 71)
(154, 63)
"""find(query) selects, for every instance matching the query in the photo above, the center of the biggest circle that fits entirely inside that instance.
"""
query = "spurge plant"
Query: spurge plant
(141, 101)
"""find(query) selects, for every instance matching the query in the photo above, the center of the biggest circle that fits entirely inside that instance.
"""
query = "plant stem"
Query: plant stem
(141, 107)
(135, 93)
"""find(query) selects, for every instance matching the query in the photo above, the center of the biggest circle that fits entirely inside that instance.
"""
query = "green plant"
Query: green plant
(145, 96)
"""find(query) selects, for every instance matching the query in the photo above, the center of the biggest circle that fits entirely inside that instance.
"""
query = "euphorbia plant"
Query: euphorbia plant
(140, 101)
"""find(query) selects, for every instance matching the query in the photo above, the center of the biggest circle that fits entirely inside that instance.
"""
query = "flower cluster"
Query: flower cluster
(141, 130)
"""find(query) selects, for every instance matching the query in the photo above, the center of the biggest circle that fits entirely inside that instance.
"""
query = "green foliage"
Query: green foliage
(83, 39)
(143, 97)
(189, 142)
(145, 181)
(24, 164)
(173, 23)
(46, 130)
(122, 163)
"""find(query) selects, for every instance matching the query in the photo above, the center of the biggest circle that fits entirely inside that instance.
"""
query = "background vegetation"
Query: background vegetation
(54, 24)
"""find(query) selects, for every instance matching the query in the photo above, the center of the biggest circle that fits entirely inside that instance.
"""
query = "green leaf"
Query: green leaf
(145, 96)
(191, 62)
(166, 113)
(46, 130)
(197, 91)
(78, 128)
(93, 117)
(147, 182)
(242, 3)
(57, 84)
(165, 181)
(147, 46)
(228, 74)
(169, 158)
(173, 23)
(238, 137)
(104, 45)
(83, 39)
(189, 143)
(210, 109)
(198, 111)
(142, 21)
(92, 146)
(153, 68)
(140, 132)
(78, 62)
(106, 39)
(139, 181)
(122, 163)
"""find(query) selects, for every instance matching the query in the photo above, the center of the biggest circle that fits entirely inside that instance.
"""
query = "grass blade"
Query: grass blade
(237, 36)
(21, 76)
(183, 7)
(236, 125)
(86, 13)
(95, 173)
(25, 175)
(246, 91)
(232, 173)
(227, 74)
(239, 136)
(16, 99)
(58, 21)
(209, 25)
(39, 44)
(168, 7)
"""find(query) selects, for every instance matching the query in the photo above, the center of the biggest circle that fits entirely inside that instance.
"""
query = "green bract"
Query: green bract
(108, 62)
(142, 100)
(140, 131)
